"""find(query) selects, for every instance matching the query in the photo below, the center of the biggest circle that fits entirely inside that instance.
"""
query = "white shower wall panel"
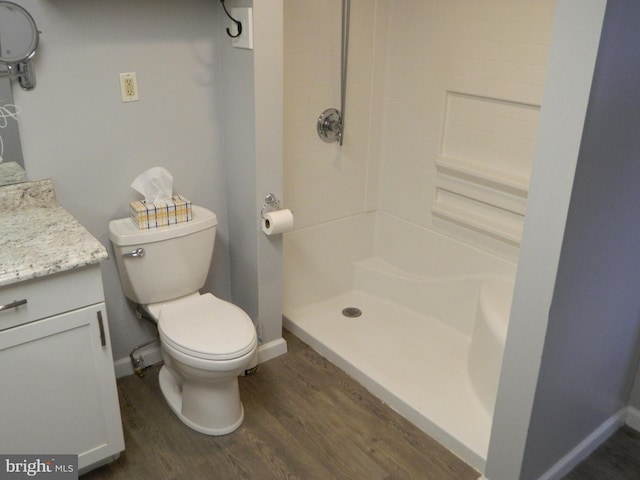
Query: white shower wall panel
(319, 260)
(423, 251)
(404, 57)
(492, 49)
(325, 182)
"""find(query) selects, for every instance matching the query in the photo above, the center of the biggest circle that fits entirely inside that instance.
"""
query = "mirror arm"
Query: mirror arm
(23, 71)
(26, 75)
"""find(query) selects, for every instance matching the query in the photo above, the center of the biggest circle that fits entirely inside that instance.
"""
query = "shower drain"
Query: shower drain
(351, 312)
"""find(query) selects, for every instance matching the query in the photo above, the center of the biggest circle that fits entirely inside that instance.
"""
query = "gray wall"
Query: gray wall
(634, 399)
(252, 104)
(237, 98)
(589, 356)
(195, 117)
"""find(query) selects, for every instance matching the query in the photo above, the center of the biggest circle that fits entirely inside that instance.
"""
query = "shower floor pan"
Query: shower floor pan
(414, 363)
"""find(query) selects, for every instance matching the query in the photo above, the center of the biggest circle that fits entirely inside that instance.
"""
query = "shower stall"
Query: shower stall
(401, 265)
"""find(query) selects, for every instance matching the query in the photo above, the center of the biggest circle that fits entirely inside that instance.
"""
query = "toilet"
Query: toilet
(206, 342)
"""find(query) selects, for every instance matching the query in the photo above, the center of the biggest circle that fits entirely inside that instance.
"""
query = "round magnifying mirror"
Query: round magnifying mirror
(18, 34)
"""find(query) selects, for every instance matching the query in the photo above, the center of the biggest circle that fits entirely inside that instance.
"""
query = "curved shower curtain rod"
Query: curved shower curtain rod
(331, 122)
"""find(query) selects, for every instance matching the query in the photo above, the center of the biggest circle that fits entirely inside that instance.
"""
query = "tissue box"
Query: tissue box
(160, 214)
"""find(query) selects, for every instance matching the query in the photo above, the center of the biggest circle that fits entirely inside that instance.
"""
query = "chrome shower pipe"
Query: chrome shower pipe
(344, 57)
(331, 123)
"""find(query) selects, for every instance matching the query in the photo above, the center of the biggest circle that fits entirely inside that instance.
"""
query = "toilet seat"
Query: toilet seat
(207, 327)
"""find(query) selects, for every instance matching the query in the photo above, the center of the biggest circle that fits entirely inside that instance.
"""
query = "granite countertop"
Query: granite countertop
(39, 237)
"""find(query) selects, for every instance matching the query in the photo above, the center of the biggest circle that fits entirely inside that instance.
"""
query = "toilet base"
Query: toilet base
(218, 406)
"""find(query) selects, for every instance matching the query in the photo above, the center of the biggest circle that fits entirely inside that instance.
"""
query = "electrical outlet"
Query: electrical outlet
(129, 87)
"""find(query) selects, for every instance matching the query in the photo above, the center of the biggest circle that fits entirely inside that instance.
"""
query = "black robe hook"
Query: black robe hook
(238, 24)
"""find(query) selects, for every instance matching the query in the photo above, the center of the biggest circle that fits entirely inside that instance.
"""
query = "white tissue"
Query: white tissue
(155, 184)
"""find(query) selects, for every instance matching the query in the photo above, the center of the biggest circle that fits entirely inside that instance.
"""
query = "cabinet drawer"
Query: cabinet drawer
(50, 295)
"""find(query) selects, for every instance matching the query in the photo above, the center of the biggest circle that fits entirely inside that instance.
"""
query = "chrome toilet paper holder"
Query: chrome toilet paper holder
(270, 201)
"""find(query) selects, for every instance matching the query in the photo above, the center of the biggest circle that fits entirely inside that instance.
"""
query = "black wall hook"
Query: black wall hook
(238, 24)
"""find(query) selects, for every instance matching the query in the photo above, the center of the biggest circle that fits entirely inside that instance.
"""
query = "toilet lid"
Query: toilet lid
(207, 327)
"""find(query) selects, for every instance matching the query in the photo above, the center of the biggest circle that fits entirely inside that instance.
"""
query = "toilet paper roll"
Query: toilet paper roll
(278, 221)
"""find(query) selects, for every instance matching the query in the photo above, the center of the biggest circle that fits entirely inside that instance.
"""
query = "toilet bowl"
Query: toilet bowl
(206, 342)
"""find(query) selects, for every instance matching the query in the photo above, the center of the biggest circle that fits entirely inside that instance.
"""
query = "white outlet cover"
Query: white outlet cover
(244, 16)
(133, 95)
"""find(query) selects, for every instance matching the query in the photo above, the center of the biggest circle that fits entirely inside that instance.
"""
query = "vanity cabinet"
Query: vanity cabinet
(57, 384)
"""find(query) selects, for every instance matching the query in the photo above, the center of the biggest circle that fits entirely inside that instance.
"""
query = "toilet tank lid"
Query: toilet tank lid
(125, 232)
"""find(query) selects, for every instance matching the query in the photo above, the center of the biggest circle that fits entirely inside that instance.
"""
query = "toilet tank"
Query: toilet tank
(176, 258)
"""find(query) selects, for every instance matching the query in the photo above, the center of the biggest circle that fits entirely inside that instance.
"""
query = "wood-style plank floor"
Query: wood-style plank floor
(304, 419)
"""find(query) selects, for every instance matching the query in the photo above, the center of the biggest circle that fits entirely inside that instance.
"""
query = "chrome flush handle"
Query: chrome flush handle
(138, 252)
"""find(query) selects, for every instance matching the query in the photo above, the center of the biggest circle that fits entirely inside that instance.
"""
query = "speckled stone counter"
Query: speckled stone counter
(39, 237)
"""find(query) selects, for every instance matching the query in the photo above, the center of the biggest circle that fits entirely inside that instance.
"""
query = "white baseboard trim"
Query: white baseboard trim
(272, 349)
(633, 418)
(586, 447)
(152, 355)
(122, 367)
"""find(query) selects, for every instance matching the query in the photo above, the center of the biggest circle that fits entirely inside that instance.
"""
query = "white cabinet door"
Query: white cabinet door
(57, 388)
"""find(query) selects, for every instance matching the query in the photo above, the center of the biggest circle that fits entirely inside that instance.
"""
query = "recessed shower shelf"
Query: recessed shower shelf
(482, 199)
(506, 230)
(499, 179)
